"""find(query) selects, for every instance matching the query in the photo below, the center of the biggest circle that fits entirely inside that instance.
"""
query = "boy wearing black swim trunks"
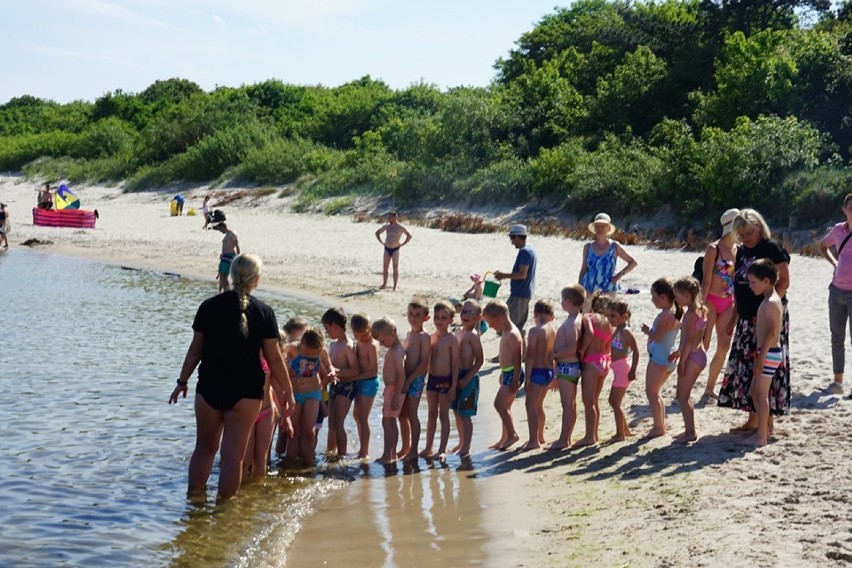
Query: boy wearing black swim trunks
(443, 378)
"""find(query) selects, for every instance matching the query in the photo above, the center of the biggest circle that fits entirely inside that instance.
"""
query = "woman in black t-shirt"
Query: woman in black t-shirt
(230, 331)
(755, 241)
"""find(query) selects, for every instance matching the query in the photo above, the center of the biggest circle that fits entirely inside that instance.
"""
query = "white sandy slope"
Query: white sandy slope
(642, 503)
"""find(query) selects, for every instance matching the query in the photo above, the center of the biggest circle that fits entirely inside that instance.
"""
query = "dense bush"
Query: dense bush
(604, 104)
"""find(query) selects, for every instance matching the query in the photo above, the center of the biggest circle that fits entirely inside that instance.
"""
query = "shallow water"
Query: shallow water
(92, 458)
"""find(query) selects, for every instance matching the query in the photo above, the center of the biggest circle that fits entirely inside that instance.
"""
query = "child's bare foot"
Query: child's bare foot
(743, 428)
(583, 442)
(363, 455)
(559, 445)
(617, 438)
(656, 433)
(427, 453)
(510, 441)
(530, 446)
(498, 445)
(411, 457)
(685, 438)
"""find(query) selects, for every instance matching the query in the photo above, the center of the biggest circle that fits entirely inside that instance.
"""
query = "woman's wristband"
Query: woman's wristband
(183, 383)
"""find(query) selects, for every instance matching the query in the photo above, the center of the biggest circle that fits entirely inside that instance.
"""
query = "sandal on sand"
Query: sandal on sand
(834, 388)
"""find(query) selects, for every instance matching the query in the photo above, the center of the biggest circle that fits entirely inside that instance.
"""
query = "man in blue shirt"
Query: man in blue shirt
(522, 277)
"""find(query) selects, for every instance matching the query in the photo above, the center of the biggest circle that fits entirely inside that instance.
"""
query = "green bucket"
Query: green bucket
(490, 288)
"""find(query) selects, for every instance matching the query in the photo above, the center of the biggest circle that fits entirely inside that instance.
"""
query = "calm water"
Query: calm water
(92, 458)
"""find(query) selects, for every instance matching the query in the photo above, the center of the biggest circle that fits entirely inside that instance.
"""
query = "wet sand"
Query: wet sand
(642, 503)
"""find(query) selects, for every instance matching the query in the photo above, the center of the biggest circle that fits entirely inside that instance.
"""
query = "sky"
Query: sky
(66, 50)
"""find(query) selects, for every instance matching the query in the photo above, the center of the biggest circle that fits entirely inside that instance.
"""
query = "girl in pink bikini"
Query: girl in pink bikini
(597, 359)
(717, 291)
(693, 357)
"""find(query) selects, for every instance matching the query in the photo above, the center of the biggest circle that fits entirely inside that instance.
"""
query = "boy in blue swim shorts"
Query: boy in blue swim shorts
(417, 345)
(539, 366)
(568, 367)
(470, 361)
(365, 379)
(511, 357)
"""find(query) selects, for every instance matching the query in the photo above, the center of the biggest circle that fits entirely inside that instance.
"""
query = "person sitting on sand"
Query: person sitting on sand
(393, 233)
(230, 249)
(45, 198)
(475, 290)
(510, 357)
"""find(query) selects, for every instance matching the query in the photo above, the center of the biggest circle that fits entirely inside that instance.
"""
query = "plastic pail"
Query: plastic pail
(490, 288)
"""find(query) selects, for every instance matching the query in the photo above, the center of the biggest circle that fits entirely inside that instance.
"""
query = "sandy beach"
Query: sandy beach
(636, 503)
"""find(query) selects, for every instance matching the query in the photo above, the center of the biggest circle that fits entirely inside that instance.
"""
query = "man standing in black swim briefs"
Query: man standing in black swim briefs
(393, 233)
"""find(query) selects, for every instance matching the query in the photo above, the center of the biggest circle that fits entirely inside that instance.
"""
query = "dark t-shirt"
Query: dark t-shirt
(747, 302)
(227, 357)
(526, 287)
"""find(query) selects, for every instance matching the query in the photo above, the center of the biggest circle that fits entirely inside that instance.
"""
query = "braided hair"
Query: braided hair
(245, 270)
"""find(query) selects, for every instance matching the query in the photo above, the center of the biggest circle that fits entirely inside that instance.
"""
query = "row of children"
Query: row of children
(445, 365)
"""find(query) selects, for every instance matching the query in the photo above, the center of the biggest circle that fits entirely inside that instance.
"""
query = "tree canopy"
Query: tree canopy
(622, 105)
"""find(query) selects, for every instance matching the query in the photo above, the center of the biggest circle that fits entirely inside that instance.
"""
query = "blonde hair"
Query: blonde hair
(496, 308)
(245, 270)
(575, 294)
(383, 325)
(752, 218)
(444, 305)
(690, 285)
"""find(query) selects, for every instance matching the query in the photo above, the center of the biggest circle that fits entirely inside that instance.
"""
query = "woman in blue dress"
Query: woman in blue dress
(599, 259)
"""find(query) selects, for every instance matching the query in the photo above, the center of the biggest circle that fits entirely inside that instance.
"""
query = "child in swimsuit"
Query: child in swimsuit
(470, 361)
(693, 357)
(623, 345)
(511, 356)
(661, 339)
(595, 346)
(762, 277)
(260, 439)
(309, 367)
(292, 331)
(443, 379)
(341, 393)
(567, 360)
(393, 375)
(365, 379)
(418, 346)
(539, 369)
